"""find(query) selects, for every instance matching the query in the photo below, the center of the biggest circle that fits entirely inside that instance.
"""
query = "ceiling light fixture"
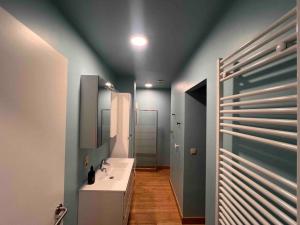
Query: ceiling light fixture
(138, 41)
(108, 84)
(148, 85)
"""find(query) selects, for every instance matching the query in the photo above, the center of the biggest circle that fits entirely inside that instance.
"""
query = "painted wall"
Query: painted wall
(241, 22)
(46, 21)
(158, 99)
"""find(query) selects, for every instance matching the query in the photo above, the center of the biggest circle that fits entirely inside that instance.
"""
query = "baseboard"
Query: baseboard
(177, 202)
(151, 169)
(193, 220)
(186, 220)
(146, 169)
(163, 167)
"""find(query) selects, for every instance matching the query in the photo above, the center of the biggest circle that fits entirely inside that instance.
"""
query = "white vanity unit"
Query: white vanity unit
(108, 200)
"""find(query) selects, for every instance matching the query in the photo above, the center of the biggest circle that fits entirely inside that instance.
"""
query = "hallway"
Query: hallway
(153, 201)
(136, 112)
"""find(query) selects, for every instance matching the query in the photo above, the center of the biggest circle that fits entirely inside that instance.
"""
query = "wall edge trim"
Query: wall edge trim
(177, 202)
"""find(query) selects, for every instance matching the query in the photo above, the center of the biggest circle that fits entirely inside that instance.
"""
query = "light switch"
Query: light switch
(193, 151)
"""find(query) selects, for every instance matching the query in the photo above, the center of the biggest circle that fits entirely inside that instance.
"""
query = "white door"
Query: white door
(33, 81)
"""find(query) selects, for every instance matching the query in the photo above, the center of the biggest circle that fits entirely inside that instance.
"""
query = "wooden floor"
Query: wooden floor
(153, 201)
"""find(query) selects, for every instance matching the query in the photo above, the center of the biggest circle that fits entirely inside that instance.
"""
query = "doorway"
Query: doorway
(195, 151)
(146, 132)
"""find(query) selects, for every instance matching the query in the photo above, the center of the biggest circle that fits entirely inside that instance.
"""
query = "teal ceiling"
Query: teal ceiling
(175, 28)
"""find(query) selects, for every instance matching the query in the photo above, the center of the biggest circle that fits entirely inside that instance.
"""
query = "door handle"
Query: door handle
(176, 146)
(60, 213)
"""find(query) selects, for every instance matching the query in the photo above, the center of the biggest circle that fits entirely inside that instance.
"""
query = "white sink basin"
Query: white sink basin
(120, 165)
(108, 200)
(111, 174)
(115, 178)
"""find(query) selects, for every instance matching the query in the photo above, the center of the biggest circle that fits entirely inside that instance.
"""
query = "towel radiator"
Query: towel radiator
(265, 116)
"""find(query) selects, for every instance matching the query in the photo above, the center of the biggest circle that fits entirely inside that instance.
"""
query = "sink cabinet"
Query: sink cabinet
(106, 206)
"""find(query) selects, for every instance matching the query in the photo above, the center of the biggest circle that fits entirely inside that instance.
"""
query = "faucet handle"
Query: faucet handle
(104, 162)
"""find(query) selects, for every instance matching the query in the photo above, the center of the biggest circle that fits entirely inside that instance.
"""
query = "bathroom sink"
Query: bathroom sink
(115, 178)
(111, 174)
(120, 165)
(108, 200)
(119, 162)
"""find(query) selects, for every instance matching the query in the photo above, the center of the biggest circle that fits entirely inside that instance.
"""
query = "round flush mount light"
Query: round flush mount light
(139, 41)
(148, 85)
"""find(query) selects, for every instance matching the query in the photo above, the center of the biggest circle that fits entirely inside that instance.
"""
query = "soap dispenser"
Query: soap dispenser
(91, 176)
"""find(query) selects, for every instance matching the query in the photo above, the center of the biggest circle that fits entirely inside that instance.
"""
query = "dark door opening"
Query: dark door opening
(195, 151)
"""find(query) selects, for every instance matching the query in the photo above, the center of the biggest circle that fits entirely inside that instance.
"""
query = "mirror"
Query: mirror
(104, 111)
(95, 111)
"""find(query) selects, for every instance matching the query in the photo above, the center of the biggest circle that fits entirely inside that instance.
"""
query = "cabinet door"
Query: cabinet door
(89, 111)
(128, 199)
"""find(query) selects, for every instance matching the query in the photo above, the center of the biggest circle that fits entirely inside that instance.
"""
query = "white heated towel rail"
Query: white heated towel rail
(248, 192)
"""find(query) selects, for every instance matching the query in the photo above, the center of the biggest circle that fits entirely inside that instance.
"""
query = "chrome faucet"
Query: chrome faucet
(103, 163)
(103, 169)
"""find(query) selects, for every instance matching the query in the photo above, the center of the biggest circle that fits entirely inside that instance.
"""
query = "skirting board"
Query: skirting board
(177, 202)
(163, 167)
(151, 169)
(193, 220)
(186, 220)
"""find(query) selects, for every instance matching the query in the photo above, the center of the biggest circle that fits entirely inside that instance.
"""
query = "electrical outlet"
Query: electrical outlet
(86, 162)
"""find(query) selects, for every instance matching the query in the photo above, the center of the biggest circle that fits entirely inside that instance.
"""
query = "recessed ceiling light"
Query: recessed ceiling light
(138, 41)
(148, 85)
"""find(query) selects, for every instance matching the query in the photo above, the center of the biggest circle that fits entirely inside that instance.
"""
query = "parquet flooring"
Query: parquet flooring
(153, 201)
